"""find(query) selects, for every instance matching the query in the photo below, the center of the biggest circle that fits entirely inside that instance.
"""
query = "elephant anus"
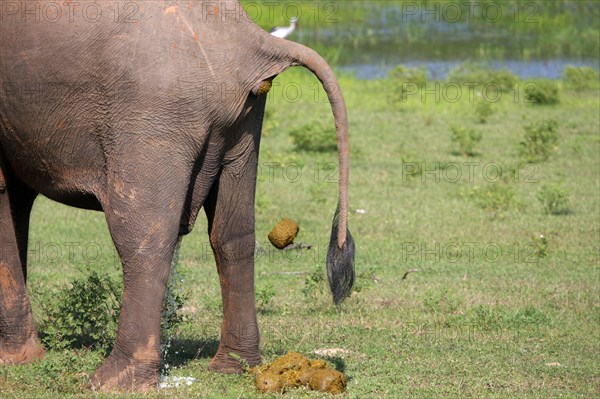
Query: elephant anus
(147, 111)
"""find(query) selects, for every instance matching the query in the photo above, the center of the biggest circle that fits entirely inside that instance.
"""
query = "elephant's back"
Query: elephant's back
(67, 83)
(79, 47)
(154, 43)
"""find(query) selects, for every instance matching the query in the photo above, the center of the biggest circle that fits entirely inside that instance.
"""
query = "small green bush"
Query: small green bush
(504, 79)
(542, 92)
(82, 315)
(264, 296)
(86, 313)
(554, 199)
(442, 301)
(539, 141)
(483, 110)
(540, 244)
(471, 73)
(405, 74)
(399, 77)
(487, 318)
(316, 136)
(580, 78)
(466, 139)
(493, 197)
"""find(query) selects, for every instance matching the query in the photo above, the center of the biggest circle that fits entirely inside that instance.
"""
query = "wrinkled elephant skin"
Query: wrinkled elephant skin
(147, 111)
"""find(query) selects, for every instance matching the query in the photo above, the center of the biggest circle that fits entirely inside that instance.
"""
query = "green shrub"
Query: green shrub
(487, 318)
(264, 296)
(539, 140)
(471, 72)
(442, 301)
(518, 172)
(580, 78)
(542, 92)
(400, 77)
(554, 199)
(540, 244)
(483, 110)
(504, 79)
(316, 136)
(493, 197)
(405, 74)
(82, 315)
(466, 139)
(86, 313)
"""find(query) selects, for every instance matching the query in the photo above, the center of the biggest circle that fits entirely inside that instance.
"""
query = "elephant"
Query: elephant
(147, 111)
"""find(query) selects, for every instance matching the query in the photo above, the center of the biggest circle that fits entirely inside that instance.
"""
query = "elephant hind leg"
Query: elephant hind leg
(145, 231)
(18, 339)
(230, 212)
(146, 250)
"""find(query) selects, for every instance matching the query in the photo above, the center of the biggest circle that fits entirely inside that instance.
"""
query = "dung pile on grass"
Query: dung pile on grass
(294, 370)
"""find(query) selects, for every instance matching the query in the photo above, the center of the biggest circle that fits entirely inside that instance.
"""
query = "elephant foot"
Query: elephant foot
(224, 362)
(124, 375)
(28, 352)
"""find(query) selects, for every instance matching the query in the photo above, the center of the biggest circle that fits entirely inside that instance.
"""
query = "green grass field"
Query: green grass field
(493, 310)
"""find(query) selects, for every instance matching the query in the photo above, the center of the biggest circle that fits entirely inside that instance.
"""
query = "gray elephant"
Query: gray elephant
(147, 111)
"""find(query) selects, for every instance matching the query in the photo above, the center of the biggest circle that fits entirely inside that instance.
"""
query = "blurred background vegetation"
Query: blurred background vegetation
(368, 37)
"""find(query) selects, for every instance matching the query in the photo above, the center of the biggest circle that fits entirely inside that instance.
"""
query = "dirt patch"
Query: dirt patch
(332, 352)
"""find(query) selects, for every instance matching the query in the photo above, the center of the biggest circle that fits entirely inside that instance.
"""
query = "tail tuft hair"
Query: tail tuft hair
(340, 263)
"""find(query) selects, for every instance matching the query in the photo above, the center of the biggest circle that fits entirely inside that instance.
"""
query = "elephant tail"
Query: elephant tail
(340, 260)
(340, 255)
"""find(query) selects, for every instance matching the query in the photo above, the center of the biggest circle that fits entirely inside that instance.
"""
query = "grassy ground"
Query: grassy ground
(493, 311)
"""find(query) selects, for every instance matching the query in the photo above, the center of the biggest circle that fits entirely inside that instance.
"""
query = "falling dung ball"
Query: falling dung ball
(284, 233)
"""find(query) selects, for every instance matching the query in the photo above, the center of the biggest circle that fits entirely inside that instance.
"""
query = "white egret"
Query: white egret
(285, 31)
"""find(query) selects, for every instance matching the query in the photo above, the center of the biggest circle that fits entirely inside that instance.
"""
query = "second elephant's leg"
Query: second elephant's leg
(230, 211)
(18, 338)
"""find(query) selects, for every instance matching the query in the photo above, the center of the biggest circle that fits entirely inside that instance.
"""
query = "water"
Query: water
(174, 382)
(370, 38)
(439, 69)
